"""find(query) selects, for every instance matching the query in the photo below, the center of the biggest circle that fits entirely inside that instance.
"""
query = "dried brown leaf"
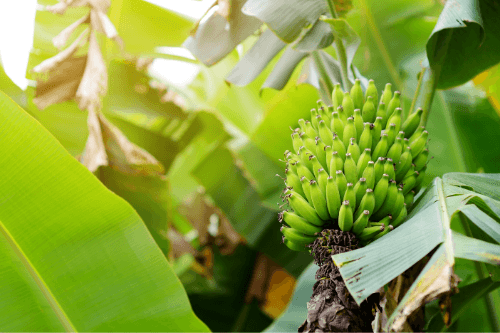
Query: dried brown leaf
(102, 23)
(94, 154)
(62, 38)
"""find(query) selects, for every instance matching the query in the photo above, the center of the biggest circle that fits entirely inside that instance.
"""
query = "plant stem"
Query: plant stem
(341, 53)
(417, 92)
(325, 80)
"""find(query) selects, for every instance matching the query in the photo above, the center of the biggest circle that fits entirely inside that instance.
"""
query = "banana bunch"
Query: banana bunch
(355, 166)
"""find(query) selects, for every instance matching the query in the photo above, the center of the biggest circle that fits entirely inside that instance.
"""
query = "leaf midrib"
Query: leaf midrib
(54, 304)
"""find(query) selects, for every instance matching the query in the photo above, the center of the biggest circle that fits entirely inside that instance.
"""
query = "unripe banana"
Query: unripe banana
(329, 157)
(370, 232)
(293, 181)
(325, 133)
(399, 203)
(303, 171)
(387, 229)
(389, 201)
(292, 166)
(310, 131)
(357, 94)
(336, 164)
(420, 179)
(350, 169)
(411, 124)
(371, 91)
(296, 236)
(322, 179)
(319, 201)
(393, 104)
(410, 171)
(350, 195)
(369, 175)
(347, 106)
(409, 199)
(349, 131)
(367, 203)
(302, 124)
(389, 168)
(353, 149)
(363, 160)
(339, 147)
(360, 190)
(382, 113)
(316, 165)
(418, 145)
(401, 135)
(321, 153)
(386, 94)
(358, 123)
(337, 96)
(391, 134)
(421, 159)
(309, 143)
(378, 168)
(341, 182)
(300, 224)
(416, 134)
(297, 142)
(395, 151)
(376, 132)
(306, 188)
(332, 198)
(409, 182)
(365, 140)
(361, 223)
(380, 191)
(406, 143)
(404, 165)
(381, 148)
(395, 118)
(323, 112)
(345, 217)
(303, 155)
(401, 217)
(337, 125)
(293, 246)
(314, 119)
(369, 112)
(304, 209)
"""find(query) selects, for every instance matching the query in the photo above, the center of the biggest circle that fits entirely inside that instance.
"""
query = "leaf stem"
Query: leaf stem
(417, 92)
(341, 53)
(325, 80)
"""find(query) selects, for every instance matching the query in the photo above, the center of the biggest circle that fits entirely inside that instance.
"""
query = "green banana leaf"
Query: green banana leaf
(74, 256)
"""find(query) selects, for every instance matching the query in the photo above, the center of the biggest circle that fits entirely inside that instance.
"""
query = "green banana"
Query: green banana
(345, 217)
(337, 96)
(382, 113)
(395, 151)
(339, 147)
(336, 164)
(310, 131)
(325, 133)
(332, 198)
(363, 160)
(298, 223)
(357, 95)
(361, 223)
(369, 175)
(391, 134)
(306, 187)
(420, 179)
(321, 153)
(350, 169)
(389, 201)
(302, 125)
(409, 182)
(319, 200)
(401, 217)
(358, 123)
(303, 155)
(341, 182)
(296, 236)
(409, 198)
(421, 159)
(337, 125)
(378, 168)
(404, 164)
(297, 141)
(380, 191)
(376, 132)
(410, 171)
(381, 148)
(349, 131)
(365, 140)
(329, 157)
(418, 145)
(395, 118)
(411, 124)
(314, 119)
(369, 112)
(416, 134)
(367, 203)
(393, 104)
(347, 106)
(386, 230)
(386, 94)
(399, 203)
(401, 135)
(353, 149)
(292, 166)
(303, 171)
(350, 195)
(360, 190)
(316, 165)
(293, 181)
(322, 179)
(293, 246)
(303, 208)
(370, 233)
(389, 168)
(309, 143)
(371, 91)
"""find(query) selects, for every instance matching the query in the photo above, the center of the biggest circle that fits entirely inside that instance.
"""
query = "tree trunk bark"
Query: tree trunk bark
(332, 308)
